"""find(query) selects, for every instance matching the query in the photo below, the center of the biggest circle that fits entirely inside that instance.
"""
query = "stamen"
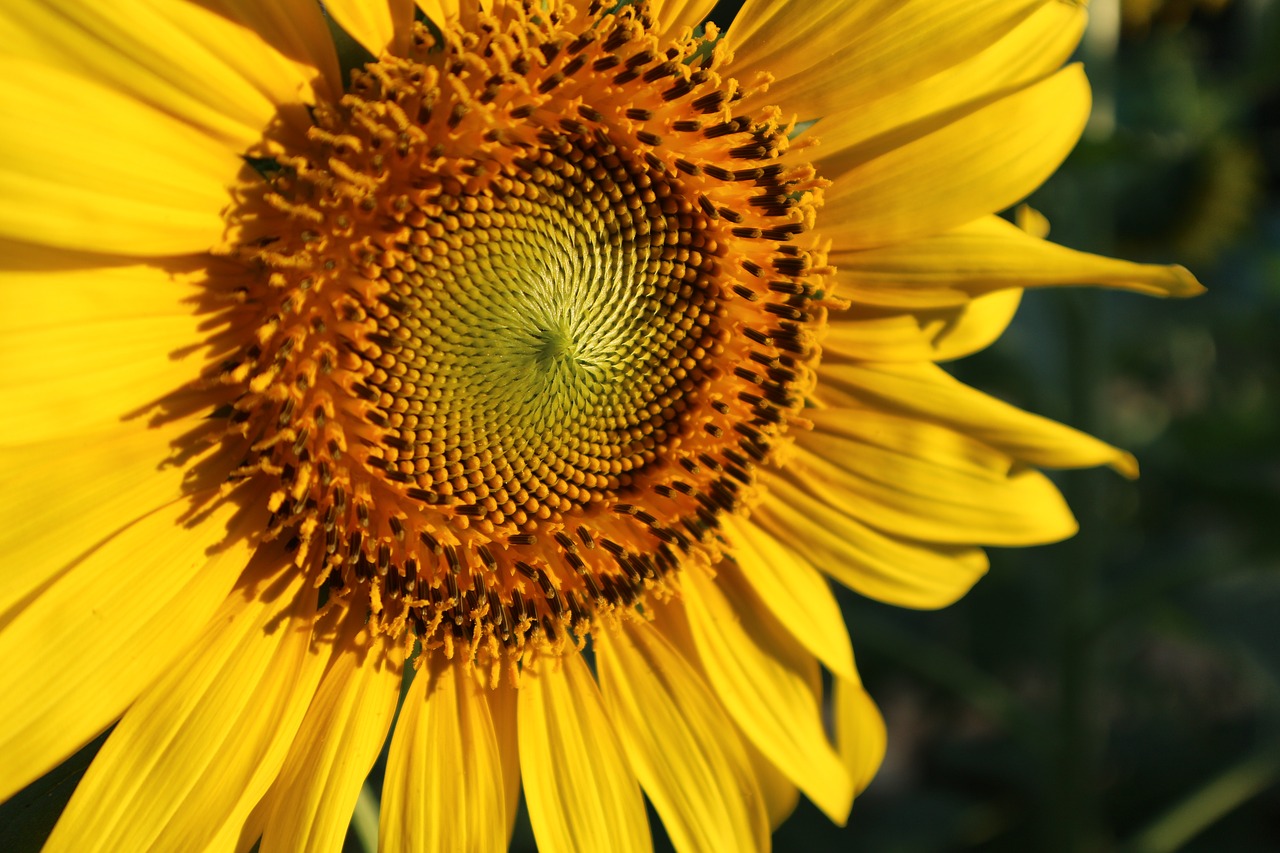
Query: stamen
(509, 296)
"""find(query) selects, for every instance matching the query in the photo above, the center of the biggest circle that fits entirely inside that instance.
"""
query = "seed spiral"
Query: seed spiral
(531, 308)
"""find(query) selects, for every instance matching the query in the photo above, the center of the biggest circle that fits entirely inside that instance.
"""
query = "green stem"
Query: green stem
(1225, 792)
(1073, 802)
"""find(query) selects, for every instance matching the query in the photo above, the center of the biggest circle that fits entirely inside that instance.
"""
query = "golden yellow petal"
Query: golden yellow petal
(835, 56)
(439, 11)
(945, 170)
(860, 732)
(684, 748)
(781, 796)
(795, 592)
(765, 680)
(202, 745)
(443, 790)
(988, 254)
(149, 184)
(223, 66)
(923, 481)
(62, 499)
(581, 792)
(503, 710)
(129, 363)
(892, 569)
(297, 30)
(673, 16)
(83, 647)
(1037, 46)
(929, 392)
(381, 26)
(65, 329)
(310, 804)
(871, 333)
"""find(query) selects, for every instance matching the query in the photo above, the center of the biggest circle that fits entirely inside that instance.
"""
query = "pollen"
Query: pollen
(531, 307)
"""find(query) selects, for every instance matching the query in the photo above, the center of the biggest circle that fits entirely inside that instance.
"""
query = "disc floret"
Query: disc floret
(533, 306)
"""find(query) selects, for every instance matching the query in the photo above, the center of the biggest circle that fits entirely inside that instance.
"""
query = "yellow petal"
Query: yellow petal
(681, 743)
(581, 792)
(298, 31)
(793, 591)
(860, 732)
(463, 15)
(764, 678)
(928, 391)
(202, 745)
(837, 56)
(220, 65)
(381, 26)
(915, 479)
(927, 334)
(130, 364)
(943, 171)
(439, 11)
(673, 16)
(86, 645)
(443, 789)
(310, 804)
(62, 499)
(148, 185)
(781, 796)
(987, 254)
(502, 707)
(132, 332)
(891, 569)
(1037, 46)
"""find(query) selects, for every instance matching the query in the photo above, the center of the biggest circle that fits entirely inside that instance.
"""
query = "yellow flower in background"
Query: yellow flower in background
(542, 358)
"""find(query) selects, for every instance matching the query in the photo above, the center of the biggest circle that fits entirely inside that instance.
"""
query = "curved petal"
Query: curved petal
(923, 481)
(792, 590)
(860, 732)
(86, 645)
(64, 499)
(887, 568)
(681, 743)
(130, 363)
(216, 64)
(837, 56)
(940, 334)
(765, 680)
(444, 785)
(198, 750)
(927, 391)
(673, 16)
(1037, 46)
(948, 269)
(309, 807)
(149, 185)
(503, 710)
(381, 26)
(781, 796)
(581, 792)
(946, 170)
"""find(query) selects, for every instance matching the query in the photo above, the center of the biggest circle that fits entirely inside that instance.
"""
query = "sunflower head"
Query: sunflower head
(525, 315)
(554, 326)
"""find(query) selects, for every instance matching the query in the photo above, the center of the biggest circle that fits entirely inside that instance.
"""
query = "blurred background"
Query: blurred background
(1120, 691)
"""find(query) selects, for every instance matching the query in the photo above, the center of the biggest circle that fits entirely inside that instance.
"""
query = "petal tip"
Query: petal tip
(1126, 465)
(1183, 283)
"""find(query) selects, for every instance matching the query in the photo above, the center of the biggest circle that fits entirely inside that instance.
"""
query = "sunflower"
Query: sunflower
(549, 361)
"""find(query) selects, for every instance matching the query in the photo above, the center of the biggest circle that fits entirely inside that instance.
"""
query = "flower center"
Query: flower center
(528, 316)
(539, 330)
